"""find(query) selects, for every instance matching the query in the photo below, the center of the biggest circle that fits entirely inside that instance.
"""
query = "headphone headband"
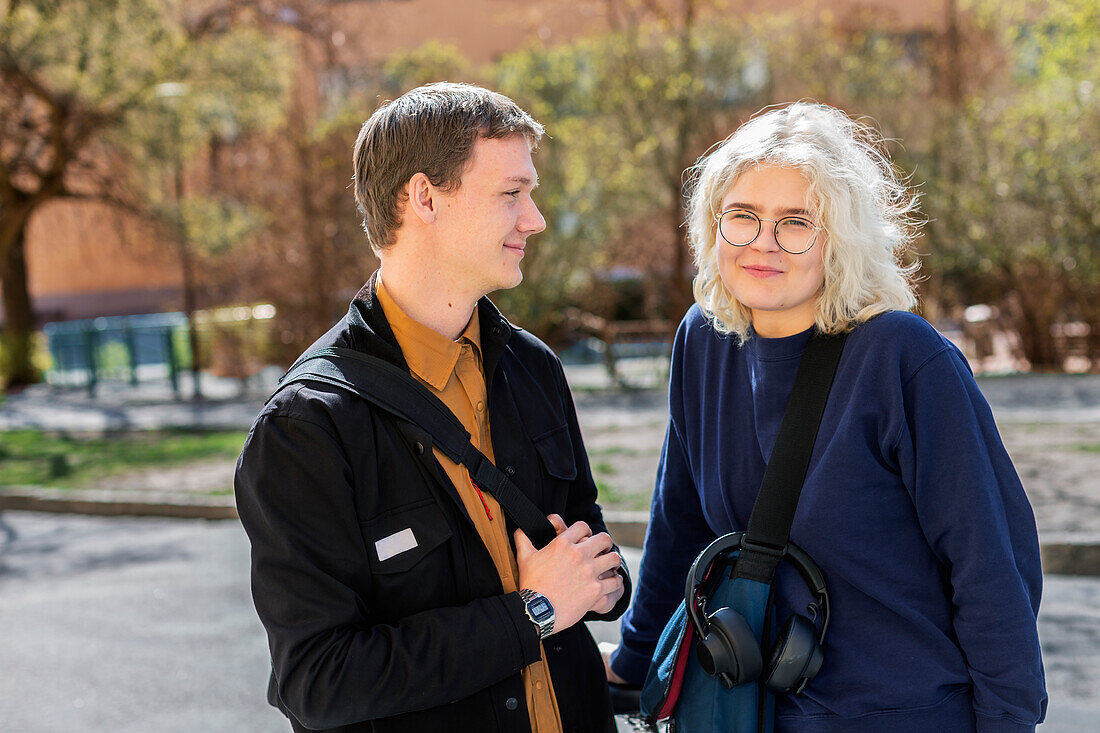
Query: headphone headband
(806, 567)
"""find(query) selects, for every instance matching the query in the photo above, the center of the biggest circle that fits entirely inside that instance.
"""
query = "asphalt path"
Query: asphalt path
(129, 624)
(143, 624)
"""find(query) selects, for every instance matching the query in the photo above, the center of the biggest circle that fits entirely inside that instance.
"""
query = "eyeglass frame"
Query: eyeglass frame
(760, 228)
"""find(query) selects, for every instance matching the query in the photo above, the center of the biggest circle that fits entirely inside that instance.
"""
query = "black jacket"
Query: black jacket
(426, 640)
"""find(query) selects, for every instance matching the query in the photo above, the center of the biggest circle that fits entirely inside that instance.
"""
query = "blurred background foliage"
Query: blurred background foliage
(1011, 172)
(228, 127)
(108, 100)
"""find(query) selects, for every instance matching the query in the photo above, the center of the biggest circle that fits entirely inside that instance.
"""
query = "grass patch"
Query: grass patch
(36, 458)
(220, 492)
(605, 468)
(1087, 447)
(608, 494)
(613, 450)
(612, 497)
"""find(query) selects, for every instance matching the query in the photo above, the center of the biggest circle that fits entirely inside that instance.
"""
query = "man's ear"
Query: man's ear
(422, 203)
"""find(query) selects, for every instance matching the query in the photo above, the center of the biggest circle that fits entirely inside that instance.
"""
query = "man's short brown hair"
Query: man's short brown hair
(429, 130)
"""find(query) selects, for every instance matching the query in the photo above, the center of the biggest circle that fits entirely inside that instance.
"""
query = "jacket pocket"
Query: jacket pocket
(556, 451)
(400, 538)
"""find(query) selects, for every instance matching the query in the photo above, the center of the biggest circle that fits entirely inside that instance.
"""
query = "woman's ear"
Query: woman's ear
(422, 203)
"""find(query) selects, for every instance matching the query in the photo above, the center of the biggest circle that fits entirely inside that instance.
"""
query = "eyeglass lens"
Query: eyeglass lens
(794, 234)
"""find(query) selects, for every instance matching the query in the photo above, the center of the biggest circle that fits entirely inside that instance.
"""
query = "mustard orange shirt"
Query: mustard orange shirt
(453, 371)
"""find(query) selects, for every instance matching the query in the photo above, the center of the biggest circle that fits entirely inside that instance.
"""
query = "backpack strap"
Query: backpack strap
(769, 527)
(397, 392)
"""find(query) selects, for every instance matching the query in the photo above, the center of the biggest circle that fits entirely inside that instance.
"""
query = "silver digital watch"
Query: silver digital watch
(539, 610)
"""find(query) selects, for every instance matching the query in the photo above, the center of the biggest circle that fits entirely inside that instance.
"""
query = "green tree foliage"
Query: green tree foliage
(99, 99)
(1013, 175)
(629, 110)
(577, 188)
(430, 62)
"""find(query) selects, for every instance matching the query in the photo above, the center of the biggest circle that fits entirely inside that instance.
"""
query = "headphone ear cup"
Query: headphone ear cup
(730, 647)
(795, 655)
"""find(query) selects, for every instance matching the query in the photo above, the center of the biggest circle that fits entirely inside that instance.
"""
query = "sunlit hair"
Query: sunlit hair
(855, 194)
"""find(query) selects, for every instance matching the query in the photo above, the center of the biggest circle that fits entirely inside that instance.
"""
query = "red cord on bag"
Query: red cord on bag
(677, 683)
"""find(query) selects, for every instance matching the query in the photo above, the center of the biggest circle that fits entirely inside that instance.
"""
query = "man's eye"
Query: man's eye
(512, 193)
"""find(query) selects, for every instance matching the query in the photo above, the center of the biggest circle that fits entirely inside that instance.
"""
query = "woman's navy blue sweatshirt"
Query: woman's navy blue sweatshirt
(911, 507)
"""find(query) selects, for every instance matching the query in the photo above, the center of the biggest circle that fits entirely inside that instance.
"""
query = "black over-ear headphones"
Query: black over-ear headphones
(727, 646)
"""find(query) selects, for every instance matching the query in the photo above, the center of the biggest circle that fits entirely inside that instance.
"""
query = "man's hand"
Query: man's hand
(608, 602)
(576, 571)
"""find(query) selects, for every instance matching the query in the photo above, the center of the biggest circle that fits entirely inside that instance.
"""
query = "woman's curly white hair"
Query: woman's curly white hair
(855, 193)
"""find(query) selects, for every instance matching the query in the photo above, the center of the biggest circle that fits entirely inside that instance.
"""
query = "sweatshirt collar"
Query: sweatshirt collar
(778, 349)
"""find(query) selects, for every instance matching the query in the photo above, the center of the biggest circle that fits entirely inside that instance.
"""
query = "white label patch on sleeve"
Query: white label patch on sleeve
(395, 544)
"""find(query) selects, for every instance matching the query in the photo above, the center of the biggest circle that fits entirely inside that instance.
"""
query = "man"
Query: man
(392, 595)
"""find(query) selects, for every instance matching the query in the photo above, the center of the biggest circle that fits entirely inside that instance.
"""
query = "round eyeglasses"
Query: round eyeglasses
(793, 234)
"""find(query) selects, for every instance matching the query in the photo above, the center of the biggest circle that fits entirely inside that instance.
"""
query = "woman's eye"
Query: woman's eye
(741, 216)
(798, 223)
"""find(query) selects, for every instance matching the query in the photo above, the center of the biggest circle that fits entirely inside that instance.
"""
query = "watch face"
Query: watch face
(539, 608)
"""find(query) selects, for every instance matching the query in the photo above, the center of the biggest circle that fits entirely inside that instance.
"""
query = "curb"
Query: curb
(1070, 558)
(628, 528)
(115, 504)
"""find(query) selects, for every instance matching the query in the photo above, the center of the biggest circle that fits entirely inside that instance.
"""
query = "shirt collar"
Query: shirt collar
(431, 356)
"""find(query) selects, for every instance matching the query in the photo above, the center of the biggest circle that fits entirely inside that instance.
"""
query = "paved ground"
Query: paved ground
(128, 624)
(145, 624)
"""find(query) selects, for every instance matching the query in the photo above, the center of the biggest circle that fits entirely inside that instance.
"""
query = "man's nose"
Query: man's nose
(531, 221)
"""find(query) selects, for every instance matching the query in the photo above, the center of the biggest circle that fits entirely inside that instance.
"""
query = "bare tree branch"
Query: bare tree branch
(304, 17)
(113, 200)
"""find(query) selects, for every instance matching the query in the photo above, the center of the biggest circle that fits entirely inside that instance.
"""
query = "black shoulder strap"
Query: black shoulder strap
(770, 523)
(394, 390)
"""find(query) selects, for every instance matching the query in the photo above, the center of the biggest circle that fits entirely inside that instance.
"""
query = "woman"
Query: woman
(911, 506)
